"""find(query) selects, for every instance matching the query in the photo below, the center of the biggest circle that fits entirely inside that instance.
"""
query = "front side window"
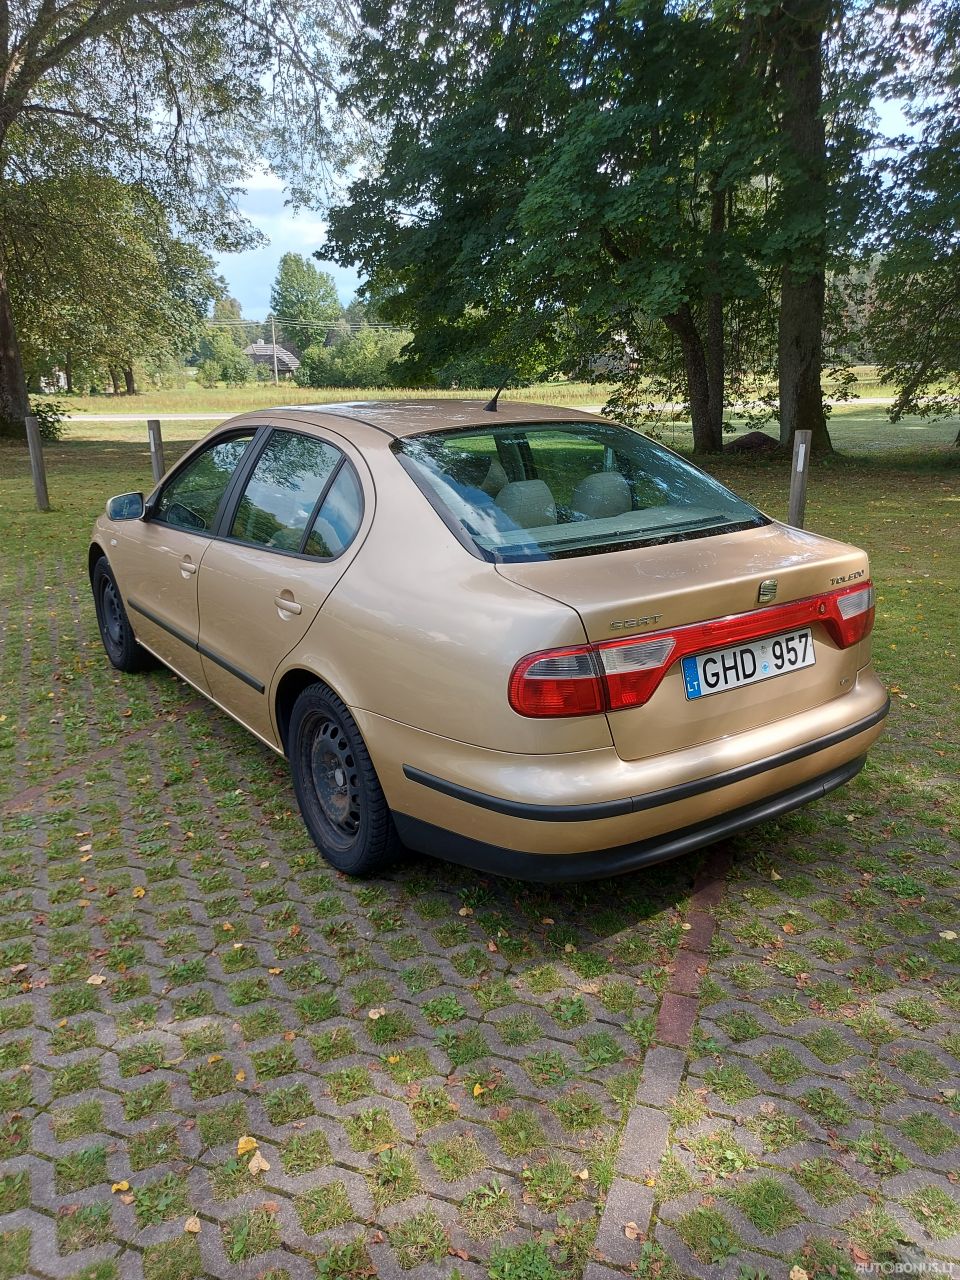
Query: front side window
(283, 490)
(192, 498)
(546, 490)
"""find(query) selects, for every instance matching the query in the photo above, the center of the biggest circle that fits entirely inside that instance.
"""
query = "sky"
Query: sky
(249, 275)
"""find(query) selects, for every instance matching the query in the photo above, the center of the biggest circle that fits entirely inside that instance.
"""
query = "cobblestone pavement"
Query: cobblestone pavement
(732, 1065)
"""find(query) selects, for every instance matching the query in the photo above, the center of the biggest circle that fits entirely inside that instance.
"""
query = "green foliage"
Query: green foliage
(304, 300)
(51, 418)
(364, 358)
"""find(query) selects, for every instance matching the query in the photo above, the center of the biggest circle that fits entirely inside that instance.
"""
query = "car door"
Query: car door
(157, 559)
(283, 547)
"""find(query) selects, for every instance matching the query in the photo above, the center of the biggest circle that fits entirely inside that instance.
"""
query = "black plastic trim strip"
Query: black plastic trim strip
(653, 799)
(202, 649)
(164, 626)
(567, 868)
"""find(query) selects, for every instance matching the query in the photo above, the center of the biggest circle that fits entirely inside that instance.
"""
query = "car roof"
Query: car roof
(413, 417)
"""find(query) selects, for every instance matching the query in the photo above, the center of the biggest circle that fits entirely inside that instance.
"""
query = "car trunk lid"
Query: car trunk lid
(639, 591)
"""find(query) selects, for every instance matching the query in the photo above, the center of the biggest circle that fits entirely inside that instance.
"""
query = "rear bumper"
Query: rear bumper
(560, 806)
(599, 863)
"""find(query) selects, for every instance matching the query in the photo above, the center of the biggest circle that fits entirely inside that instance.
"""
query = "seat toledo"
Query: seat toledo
(525, 639)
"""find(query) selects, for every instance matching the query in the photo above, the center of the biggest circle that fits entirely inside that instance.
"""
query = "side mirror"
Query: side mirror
(126, 506)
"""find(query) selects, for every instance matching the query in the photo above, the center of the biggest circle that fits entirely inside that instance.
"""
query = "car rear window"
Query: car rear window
(546, 490)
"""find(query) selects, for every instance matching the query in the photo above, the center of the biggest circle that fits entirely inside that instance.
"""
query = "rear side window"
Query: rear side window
(284, 487)
(338, 519)
(548, 490)
(192, 498)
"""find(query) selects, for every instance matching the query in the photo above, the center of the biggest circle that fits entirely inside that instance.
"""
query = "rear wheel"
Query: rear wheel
(337, 788)
(115, 630)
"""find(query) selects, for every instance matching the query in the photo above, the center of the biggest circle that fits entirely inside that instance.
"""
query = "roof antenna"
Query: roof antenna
(491, 405)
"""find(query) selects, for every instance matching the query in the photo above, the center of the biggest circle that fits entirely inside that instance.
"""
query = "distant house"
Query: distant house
(263, 353)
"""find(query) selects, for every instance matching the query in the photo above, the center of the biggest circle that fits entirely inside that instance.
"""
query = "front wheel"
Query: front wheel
(337, 788)
(115, 629)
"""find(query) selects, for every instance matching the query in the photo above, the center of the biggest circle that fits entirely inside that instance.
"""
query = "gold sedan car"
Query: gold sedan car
(524, 638)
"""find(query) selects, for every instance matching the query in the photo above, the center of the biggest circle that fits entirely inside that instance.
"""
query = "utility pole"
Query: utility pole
(273, 337)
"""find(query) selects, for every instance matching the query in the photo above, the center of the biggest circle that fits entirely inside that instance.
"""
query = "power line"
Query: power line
(290, 323)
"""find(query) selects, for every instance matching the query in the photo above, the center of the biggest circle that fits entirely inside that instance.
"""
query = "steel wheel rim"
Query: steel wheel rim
(112, 616)
(336, 782)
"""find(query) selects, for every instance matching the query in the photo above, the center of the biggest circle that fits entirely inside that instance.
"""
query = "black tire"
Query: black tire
(339, 794)
(115, 630)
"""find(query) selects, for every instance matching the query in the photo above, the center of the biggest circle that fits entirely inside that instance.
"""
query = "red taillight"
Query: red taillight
(558, 682)
(584, 680)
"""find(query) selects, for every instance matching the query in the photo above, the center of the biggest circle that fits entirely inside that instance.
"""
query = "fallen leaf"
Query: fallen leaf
(788, 927)
(459, 1253)
(631, 1231)
(289, 1035)
(492, 946)
(393, 1059)
(798, 1273)
(775, 875)
(649, 1182)
(269, 1206)
(127, 1198)
(257, 1164)
(245, 1144)
(87, 856)
(568, 947)
(192, 1225)
(858, 1255)
(477, 1090)
(139, 891)
(374, 1014)
(240, 1076)
(547, 920)
(686, 926)
(214, 1057)
(584, 1175)
(949, 935)
(465, 911)
(120, 1186)
(19, 968)
(227, 927)
(275, 972)
(96, 980)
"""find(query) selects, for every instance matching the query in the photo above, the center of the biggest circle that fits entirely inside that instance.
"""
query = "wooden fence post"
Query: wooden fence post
(798, 478)
(36, 462)
(156, 448)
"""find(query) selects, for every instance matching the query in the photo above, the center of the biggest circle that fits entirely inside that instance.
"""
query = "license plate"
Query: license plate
(742, 664)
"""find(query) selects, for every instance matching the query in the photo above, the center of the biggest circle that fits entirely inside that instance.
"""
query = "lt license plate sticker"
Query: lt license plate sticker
(742, 664)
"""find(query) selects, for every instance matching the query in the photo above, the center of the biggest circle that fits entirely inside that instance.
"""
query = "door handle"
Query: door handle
(287, 604)
(187, 566)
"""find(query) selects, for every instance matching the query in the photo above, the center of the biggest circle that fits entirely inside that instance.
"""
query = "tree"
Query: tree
(304, 300)
(99, 281)
(175, 96)
(569, 173)
(914, 323)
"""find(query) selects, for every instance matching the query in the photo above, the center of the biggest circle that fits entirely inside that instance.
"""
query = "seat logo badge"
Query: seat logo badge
(768, 591)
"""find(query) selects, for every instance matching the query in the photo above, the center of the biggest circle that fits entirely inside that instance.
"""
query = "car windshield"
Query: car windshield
(541, 491)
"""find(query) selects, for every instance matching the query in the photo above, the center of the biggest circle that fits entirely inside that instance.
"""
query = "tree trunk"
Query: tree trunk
(68, 372)
(129, 382)
(802, 25)
(716, 368)
(115, 379)
(14, 404)
(707, 422)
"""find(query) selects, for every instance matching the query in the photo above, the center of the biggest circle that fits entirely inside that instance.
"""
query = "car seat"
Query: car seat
(528, 503)
(603, 494)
